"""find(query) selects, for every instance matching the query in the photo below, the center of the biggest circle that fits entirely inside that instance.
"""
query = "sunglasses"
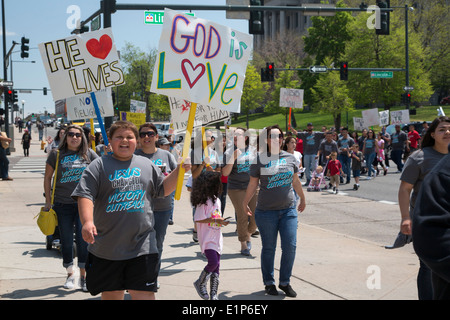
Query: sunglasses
(74, 134)
(148, 133)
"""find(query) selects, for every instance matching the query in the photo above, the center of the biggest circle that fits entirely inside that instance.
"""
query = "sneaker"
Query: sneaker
(170, 222)
(271, 290)
(82, 284)
(194, 236)
(70, 282)
(288, 291)
(334, 189)
(337, 191)
(355, 187)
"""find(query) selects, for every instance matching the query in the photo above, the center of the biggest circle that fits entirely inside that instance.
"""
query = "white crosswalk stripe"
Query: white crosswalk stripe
(30, 165)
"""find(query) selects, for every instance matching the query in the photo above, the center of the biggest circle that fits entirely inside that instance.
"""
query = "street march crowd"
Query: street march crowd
(118, 200)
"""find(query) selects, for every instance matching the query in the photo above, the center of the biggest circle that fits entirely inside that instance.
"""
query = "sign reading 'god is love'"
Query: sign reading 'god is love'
(82, 64)
(201, 61)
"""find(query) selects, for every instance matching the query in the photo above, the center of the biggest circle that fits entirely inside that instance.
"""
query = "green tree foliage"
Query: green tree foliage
(368, 50)
(253, 92)
(331, 95)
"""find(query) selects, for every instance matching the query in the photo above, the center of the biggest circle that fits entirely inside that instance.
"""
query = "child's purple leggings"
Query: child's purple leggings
(213, 261)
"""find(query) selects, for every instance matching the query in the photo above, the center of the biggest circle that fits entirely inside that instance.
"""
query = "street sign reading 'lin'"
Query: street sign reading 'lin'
(157, 17)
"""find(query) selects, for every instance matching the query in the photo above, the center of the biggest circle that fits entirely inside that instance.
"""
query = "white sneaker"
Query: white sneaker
(70, 282)
(83, 284)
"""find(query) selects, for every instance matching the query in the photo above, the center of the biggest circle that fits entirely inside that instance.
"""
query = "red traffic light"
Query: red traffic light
(10, 91)
(270, 66)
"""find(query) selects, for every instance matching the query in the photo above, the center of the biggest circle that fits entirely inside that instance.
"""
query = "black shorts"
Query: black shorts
(139, 273)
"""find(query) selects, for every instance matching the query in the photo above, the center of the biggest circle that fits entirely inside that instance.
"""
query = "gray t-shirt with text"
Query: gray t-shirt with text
(122, 192)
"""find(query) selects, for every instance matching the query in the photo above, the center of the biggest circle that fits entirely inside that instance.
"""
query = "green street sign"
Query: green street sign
(381, 74)
(157, 17)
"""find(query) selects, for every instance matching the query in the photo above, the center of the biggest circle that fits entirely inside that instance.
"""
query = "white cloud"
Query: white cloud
(8, 33)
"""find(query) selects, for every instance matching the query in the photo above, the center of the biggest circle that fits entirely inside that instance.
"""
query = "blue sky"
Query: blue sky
(45, 20)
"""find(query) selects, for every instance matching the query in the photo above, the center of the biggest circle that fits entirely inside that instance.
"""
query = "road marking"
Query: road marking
(388, 202)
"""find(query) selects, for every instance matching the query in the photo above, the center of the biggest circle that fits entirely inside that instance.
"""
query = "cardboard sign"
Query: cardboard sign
(400, 116)
(204, 115)
(138, 106)
(82, 107)
(384, 117)
(201, 61)
(81, 64)
(371, 117)
(358, 124)
(136, 118)
(291, 98)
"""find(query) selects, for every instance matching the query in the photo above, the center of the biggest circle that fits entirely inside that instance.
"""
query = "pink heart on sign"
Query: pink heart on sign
(186, 75)
(99, 49)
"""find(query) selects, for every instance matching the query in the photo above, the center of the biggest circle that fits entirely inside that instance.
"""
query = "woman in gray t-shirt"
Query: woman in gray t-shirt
(275, 173)
(419, 164)
(73, 156)
(237, 168)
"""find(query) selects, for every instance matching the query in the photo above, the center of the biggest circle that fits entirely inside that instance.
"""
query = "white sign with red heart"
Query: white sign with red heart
(81, 64)
(201, 61)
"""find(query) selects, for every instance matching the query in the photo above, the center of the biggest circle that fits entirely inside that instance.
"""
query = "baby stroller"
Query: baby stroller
(323, 185)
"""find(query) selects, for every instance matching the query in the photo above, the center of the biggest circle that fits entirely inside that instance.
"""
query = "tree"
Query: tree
(253, 92)
(368, 50)
(331, 95)
(326, 38)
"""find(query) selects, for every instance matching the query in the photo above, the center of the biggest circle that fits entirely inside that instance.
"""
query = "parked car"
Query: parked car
(445, 100)
(418, 125)
(163, 128)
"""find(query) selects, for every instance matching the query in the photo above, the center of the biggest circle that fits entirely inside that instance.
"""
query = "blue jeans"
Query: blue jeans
(309, 162)
(345, 161)
(369, 161)
(68, 224)
(396, 156)
(270, 223)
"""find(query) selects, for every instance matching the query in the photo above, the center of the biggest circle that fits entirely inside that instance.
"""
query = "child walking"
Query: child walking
(357, 158)
(334, 169)
(205, 197)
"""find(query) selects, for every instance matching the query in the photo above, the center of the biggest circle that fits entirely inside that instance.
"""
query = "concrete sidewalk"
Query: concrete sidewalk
(328, 266)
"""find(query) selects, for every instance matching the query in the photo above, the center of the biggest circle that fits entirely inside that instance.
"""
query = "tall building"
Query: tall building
(278, 22)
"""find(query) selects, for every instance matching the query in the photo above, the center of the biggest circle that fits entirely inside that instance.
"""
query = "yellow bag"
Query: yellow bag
(48, 220)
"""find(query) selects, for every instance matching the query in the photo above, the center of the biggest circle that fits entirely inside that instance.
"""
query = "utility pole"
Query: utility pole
(109, 7)
(5, 72)
(406, 52)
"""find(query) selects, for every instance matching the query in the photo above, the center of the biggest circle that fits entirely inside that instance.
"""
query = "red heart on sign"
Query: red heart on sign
(99, 49)
(186, 75)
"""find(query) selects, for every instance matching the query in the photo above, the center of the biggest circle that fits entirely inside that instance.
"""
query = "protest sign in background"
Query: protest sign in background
(81, 106)
(204, 115)
(384, 117)
(358, 124)
(137, 106)
(371, 117)
(400, 116)
(201, 61)
(291, 98)
(136, 118)
(81, 64)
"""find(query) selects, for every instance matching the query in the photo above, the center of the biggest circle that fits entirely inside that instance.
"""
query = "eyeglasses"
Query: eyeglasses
(74, 134)
(147, 133)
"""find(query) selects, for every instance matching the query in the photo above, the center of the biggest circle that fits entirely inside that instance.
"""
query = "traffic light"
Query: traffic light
(24, 48)
(384, 18)
(344, 70)
(8, 96)
(256, 22)
(268, 73)
(44, 90)
(14, 97)
(406, 98)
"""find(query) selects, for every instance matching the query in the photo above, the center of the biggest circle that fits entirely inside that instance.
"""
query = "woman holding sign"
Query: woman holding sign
(275, 171)
(237, 168)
